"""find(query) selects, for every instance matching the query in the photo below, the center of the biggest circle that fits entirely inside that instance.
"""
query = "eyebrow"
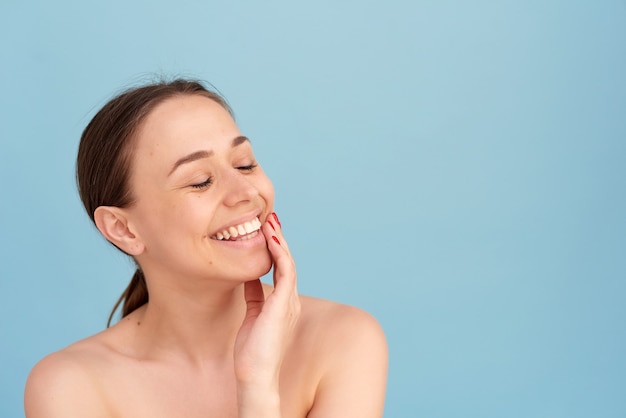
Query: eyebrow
(197, 155)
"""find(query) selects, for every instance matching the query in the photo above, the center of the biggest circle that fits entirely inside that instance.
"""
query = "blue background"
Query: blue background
(455, 168)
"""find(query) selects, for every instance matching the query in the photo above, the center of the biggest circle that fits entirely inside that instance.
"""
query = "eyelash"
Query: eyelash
(209, 181)
(204, 184)
(249, 167)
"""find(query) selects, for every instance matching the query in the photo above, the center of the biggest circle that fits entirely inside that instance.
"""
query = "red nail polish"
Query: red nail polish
(276, 217)
(275, 240)
(271, 224)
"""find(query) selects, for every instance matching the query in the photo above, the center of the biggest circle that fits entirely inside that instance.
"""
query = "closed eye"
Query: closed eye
(204, 184)
(247, 167)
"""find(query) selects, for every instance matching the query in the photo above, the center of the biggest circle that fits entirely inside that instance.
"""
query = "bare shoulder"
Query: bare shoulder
(351, 353)
(63, 383)
(322, 319)
(343, 324)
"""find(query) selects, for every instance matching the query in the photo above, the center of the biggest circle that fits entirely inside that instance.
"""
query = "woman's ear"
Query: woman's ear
(113, 223)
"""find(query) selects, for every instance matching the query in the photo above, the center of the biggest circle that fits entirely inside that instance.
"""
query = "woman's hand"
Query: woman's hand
(265, 332)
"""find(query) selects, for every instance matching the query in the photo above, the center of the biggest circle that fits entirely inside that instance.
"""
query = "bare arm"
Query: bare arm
(262, 340)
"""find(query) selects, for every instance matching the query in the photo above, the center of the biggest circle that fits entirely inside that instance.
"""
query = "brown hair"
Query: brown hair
(103, 164)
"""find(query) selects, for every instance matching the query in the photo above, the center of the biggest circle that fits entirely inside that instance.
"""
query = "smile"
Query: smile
(240, 232)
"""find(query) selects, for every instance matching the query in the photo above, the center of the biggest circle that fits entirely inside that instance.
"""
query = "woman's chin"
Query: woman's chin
(264, 268)
(255, 269)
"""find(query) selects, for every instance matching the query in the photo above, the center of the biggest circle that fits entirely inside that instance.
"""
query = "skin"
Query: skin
(212, 341)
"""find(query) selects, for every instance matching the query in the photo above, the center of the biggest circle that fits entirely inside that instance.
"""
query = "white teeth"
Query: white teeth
(244, 231)
(248, 236)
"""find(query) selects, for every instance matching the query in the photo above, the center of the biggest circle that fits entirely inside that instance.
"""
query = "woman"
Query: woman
(167, 178)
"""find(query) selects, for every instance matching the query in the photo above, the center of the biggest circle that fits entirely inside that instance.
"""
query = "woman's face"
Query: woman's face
(200, 194)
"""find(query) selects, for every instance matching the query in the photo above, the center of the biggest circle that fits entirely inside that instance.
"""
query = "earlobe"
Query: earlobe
(112, 222)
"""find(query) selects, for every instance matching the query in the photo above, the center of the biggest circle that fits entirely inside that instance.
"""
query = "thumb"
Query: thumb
(255, 298)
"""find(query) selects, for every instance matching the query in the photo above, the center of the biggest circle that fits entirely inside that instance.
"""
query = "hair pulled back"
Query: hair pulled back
(104, 160)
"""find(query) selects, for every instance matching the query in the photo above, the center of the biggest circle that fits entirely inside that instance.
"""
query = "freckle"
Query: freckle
(138, 323)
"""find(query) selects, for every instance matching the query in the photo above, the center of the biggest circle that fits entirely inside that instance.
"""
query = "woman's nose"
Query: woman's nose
(238, 188)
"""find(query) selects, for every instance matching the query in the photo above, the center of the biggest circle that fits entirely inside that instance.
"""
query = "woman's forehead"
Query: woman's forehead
(184, 123)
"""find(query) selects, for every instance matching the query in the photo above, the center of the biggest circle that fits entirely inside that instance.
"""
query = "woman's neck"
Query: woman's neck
(195, 325)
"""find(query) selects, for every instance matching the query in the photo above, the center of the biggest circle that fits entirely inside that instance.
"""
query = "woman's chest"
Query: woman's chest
(153, 390)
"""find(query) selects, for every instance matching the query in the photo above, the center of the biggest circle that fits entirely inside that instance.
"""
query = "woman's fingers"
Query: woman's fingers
(277, 245)
(285, 293)
(277, 231)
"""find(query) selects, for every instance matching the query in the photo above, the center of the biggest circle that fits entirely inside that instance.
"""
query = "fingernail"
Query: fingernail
(276, 217)
(275, 240)
(271, 224)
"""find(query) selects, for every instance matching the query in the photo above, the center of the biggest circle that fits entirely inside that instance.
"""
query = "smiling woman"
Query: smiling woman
(167, 177)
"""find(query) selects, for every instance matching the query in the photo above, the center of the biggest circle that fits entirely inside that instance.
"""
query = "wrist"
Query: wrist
(258, 402)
